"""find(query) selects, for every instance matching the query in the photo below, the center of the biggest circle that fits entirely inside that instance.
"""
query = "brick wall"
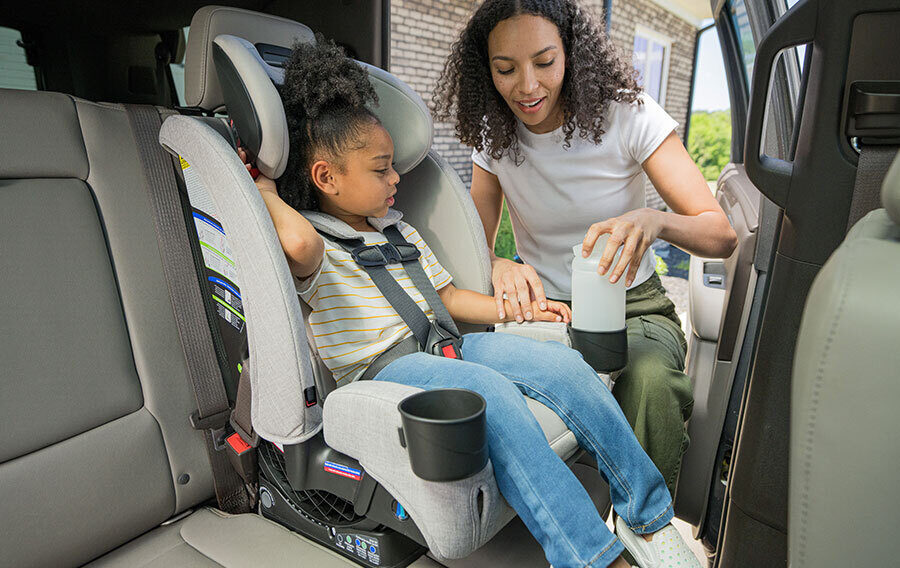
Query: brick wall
(423, 30)
(421, 34)
(628, 13)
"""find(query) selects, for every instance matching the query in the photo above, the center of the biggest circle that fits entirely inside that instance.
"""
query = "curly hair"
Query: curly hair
(595, 75)
(324, 95)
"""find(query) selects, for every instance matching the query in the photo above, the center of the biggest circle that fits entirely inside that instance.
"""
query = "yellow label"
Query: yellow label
(184, 164)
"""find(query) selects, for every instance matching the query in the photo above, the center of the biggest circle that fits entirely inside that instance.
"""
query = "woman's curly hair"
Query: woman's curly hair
(595, 75)
(324, 95)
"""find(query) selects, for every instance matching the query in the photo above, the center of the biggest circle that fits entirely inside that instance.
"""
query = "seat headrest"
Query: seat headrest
(248, 82)
(890, 191)
(201, 84)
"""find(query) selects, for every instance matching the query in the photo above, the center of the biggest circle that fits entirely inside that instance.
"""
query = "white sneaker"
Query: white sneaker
(666, 550)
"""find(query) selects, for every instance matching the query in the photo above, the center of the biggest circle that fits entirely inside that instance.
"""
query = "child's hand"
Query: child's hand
(262, 182)
(556, 311)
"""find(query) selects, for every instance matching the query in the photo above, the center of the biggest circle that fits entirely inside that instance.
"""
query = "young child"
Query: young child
(340, 171)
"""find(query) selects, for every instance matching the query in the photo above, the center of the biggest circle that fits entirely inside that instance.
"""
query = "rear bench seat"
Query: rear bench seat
(96, 450)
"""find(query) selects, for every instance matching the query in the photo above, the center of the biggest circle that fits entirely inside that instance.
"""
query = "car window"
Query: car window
(15, 72)
(737, 9)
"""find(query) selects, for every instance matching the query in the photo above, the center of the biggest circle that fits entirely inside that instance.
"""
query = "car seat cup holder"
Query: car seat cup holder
(443, 431)
(598, 329)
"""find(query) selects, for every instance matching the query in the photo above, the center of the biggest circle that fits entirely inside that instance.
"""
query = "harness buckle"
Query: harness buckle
(381, 255)
(443, 343)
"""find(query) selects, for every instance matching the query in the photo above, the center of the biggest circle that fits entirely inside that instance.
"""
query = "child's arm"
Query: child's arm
(302, 245)
(472, 307)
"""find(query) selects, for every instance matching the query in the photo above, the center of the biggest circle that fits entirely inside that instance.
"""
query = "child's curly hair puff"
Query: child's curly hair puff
(325, 95)
(595, 75)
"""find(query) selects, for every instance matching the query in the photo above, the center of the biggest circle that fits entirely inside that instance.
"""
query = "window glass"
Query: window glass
(650, 61)
(15, 72)
(709, 129)
(801, 49)
(738, 12)
(178, 72)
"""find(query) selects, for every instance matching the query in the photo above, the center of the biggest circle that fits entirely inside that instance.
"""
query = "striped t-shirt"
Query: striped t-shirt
(352, 322)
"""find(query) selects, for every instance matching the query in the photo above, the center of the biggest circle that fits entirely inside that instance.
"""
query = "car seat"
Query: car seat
(843, 447)
(234, 59)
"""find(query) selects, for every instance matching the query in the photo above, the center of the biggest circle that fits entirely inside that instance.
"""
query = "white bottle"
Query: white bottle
(597, 305)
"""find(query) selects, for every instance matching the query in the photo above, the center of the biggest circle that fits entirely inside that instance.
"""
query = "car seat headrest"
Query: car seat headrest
(247, 80)
(890, 191)
(201, 84)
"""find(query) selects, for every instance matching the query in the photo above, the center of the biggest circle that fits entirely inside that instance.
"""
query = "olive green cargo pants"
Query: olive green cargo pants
(653, 390)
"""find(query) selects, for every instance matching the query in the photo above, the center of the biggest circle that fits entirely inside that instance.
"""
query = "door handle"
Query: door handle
(773, 175)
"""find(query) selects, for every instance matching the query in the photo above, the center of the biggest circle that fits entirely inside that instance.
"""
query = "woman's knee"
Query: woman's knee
(655, 378)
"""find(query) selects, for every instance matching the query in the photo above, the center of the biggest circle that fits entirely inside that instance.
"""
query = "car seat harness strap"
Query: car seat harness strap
(439, 336)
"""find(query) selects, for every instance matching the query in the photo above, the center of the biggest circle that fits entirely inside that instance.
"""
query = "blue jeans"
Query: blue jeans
(533, 479)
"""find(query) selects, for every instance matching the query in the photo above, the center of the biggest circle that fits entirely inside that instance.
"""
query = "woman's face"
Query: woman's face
(528, 65)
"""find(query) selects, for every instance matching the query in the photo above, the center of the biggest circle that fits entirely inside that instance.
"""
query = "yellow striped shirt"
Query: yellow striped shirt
(352, 321)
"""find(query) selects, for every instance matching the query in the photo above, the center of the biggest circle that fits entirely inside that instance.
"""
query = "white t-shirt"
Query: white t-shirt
(555, 194)
(352, 322)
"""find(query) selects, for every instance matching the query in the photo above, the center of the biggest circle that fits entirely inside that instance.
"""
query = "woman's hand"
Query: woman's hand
(634, 231)
(519, 283)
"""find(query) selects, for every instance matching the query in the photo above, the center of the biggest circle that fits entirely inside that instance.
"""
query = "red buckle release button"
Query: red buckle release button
(449, 352)
(237, 443)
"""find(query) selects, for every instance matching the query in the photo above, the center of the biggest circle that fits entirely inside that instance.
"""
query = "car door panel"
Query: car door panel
(720, 294)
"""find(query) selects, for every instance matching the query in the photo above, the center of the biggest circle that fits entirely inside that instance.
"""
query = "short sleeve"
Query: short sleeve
(436, 273)
(644, 127)
(483, 161)
(306, 287)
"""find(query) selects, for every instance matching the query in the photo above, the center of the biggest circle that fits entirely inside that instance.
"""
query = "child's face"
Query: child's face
(366, 185)
(528, 64)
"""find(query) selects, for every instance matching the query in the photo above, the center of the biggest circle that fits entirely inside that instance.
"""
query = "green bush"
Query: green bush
(505, 245)
(709, 141)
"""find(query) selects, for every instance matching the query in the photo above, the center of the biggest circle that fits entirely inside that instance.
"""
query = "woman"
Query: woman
(561, 130)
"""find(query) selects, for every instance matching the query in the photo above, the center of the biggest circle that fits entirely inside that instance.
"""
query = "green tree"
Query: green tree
(505, 245)
(709, 141)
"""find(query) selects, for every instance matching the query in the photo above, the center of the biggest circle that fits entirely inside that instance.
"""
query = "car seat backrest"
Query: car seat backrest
(844, 455)
(95, 443)
(201, 84)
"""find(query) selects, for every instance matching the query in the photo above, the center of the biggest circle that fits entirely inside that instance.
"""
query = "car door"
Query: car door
(725, 295)
(806, 169)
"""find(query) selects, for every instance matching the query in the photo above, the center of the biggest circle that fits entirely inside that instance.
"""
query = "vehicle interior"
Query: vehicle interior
(119, 182)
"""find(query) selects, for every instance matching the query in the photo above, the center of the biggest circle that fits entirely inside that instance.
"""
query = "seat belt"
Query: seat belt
(874, 161)
(169, 215)
(439, 337)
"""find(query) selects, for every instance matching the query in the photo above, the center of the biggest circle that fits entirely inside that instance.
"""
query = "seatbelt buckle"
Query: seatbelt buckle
(215, 423)
(450, 349)
(243, 458)
(443, 343)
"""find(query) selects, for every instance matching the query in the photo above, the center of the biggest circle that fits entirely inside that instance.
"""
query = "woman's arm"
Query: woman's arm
(472, 307)
(517, 281)
(696, 223)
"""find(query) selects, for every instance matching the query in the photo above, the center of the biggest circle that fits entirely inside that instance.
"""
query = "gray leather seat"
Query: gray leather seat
(844, 494)
(96, 451)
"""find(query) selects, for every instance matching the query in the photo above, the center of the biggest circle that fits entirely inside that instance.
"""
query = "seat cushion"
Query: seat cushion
(209, 538)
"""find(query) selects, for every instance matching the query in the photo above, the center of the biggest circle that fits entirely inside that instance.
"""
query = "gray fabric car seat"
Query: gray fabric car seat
(844, 458)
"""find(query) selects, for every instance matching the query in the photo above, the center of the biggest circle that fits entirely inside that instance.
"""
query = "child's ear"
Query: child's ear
(322, 173)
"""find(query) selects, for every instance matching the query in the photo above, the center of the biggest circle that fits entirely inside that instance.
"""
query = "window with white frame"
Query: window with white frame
(651, 60)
